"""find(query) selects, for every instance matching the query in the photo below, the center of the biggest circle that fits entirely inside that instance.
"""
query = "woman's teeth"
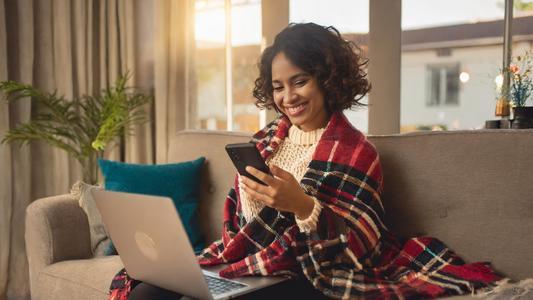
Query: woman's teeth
(296, 109)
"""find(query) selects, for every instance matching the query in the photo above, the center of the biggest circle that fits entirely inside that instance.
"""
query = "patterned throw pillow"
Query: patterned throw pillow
(98, 234)
(509, 290)
(178, 181)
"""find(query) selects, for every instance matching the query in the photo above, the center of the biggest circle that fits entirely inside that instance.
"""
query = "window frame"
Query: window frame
(444, 99)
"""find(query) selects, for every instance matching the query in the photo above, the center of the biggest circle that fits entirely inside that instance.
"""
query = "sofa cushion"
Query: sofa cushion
(78, 279)
(179, 181)
(470, 189)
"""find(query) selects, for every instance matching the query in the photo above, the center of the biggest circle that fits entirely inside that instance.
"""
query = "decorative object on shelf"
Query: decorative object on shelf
(523, 117)
(515, 97)
(502, 104)
(520, 73)
(521, 83)
(502, 107)
(84, 126)
(492, 124)
(505, 123)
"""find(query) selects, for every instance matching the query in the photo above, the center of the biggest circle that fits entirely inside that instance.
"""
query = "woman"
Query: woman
(319, 217)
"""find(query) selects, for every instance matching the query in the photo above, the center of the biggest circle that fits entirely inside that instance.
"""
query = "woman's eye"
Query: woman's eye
(278, 88)
(301, 82)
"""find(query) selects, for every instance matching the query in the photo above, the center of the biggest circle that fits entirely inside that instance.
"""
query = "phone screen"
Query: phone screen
(246, 154)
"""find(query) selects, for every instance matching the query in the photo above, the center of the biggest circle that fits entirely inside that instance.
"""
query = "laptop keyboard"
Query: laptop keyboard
(219, 285)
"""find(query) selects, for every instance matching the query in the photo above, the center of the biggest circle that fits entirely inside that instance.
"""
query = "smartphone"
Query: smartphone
(246, 154)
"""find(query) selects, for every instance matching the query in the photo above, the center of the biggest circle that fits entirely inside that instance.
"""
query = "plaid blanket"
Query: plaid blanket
(351, 254)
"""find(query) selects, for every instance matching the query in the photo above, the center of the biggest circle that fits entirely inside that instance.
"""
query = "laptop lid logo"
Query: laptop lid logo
(146, 245)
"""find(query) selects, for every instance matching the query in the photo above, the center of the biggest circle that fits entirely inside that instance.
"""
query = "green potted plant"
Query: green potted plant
(521, 90)
(84, 126)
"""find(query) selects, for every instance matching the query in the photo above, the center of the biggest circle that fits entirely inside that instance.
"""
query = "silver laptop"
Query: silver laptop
(153, 245)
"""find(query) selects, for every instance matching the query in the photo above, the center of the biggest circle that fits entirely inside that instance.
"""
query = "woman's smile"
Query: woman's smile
(294, 111)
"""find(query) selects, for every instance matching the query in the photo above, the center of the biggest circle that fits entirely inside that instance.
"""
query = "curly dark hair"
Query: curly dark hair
(321, 52)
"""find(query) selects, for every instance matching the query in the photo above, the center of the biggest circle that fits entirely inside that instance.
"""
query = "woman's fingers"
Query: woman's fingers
(257, 195)
(264, 177)
(279, 172)
(257, 187)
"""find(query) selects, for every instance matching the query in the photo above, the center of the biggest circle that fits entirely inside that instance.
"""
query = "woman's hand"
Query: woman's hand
(282, 191)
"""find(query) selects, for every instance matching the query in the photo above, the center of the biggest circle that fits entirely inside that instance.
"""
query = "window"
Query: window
(451, 53)
(443, 87)
(210, 108)
(227, 45)
(465, 35)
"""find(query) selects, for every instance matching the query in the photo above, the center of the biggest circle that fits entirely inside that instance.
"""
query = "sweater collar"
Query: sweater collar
(270, 137)
(300, 137)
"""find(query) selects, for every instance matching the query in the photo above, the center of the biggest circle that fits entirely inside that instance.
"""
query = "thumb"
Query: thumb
(279, 172)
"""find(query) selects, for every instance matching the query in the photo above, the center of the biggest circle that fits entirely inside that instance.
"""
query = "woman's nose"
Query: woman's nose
(290, 94)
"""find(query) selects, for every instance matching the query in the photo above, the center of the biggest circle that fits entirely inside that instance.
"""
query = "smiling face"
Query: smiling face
(297, 95)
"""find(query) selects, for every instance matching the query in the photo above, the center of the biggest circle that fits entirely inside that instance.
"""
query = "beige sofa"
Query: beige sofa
(471, 189)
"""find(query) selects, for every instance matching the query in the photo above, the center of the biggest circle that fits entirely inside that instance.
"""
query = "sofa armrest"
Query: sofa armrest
(56, 230)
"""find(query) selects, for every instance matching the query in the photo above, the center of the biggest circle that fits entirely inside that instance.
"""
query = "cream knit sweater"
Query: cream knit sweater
(292, 155)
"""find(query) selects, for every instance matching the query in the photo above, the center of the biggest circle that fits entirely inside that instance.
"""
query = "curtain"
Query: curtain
(174, 89)
(76, 48)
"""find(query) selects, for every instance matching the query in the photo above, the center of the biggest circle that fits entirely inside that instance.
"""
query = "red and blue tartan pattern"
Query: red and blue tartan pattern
(351, 254)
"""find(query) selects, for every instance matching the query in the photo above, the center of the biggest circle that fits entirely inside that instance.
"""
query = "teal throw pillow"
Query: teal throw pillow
(178, 181)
